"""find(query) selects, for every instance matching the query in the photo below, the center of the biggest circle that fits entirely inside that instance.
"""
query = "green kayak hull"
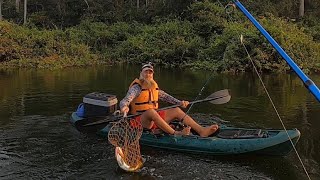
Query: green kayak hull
(271, 142)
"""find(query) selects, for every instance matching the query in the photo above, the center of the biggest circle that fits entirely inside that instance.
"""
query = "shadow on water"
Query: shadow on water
(175, 165)
(46, 147)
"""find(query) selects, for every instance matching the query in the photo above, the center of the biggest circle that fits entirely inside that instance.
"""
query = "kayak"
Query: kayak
(226, 141)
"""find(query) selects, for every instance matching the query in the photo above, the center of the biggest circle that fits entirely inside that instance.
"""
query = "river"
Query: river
(38, 142)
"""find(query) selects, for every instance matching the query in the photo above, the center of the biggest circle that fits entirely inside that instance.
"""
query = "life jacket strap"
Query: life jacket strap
(147, 102)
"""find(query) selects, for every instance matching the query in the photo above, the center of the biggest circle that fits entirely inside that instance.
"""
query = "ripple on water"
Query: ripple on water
(179, 166)
(48, 147)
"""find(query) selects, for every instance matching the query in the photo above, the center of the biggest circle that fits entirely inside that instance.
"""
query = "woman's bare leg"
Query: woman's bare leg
(177, 113)
(151, 116)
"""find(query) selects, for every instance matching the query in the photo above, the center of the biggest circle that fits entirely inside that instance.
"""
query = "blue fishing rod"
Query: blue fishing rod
(309, 84)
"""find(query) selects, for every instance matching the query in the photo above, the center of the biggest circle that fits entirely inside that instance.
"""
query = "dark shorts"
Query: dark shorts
(162, 114)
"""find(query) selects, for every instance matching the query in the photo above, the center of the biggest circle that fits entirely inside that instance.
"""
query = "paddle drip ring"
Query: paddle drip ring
(125, 135)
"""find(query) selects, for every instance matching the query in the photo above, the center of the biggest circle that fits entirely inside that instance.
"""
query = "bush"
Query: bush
(37, 48)
(170, 43)
(204, 37)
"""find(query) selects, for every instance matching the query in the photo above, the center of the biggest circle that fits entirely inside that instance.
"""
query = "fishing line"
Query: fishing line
(199, 94)
(229, 8)
(273, 105)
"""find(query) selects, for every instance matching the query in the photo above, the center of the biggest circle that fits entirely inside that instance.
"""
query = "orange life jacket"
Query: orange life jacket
(148, 98)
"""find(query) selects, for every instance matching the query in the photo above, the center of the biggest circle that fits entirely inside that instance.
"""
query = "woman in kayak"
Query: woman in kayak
(142, 97)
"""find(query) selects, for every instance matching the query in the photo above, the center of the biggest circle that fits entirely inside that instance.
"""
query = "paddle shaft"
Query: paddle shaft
(218, 97)
(177, 105)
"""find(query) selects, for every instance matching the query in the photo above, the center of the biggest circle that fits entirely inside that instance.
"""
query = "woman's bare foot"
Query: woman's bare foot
(185, 131)
(207, 131)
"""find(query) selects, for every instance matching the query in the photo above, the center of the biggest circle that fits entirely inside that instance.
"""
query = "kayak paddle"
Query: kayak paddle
(219, 97)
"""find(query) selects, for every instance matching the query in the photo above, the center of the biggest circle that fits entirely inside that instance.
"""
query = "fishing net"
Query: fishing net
(125, 135)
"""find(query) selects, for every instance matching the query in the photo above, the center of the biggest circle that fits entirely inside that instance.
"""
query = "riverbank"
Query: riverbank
(203, 39)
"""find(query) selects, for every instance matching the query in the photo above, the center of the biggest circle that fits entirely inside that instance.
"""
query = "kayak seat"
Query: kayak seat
(241, 134)
(177, 126)
(155, 132)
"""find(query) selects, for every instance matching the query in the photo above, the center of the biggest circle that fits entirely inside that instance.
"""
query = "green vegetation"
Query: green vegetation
(30, 47)
(199, 35)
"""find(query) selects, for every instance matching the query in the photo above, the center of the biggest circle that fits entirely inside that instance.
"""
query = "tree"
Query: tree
(17, 6)
(301, 8)
(25, 12)
(1, 1)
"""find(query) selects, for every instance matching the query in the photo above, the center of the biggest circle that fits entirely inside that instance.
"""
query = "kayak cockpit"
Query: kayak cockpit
(224, 133)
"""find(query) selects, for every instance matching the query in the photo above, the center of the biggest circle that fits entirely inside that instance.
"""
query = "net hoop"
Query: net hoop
(125, 135)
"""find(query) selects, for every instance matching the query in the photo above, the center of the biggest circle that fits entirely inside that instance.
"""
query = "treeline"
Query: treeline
(190, 34)
(66, 13)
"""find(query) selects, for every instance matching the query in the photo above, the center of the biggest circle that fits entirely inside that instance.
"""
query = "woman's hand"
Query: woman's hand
(124, 110)
(184, 104)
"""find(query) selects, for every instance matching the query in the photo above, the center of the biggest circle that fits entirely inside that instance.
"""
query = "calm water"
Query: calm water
(37, 142)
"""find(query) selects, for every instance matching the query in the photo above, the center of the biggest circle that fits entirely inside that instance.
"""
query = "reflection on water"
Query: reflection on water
(36, 140)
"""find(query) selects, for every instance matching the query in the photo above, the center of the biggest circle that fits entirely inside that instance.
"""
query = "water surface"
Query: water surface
(37, 141)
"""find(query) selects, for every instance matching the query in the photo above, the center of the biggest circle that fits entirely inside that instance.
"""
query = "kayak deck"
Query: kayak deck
(226, 141)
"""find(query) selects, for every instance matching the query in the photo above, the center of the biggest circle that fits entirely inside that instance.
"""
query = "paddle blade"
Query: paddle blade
(220, 97)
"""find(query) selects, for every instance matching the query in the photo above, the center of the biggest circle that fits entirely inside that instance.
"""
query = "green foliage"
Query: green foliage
(312, 26)
(171, 43)
(24, 47)
(293, 39)
(202, 37)
(227, 53)
(286, 8)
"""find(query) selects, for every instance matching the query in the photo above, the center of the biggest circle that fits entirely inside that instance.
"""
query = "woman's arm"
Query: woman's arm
(132, 93)
(163, 96)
